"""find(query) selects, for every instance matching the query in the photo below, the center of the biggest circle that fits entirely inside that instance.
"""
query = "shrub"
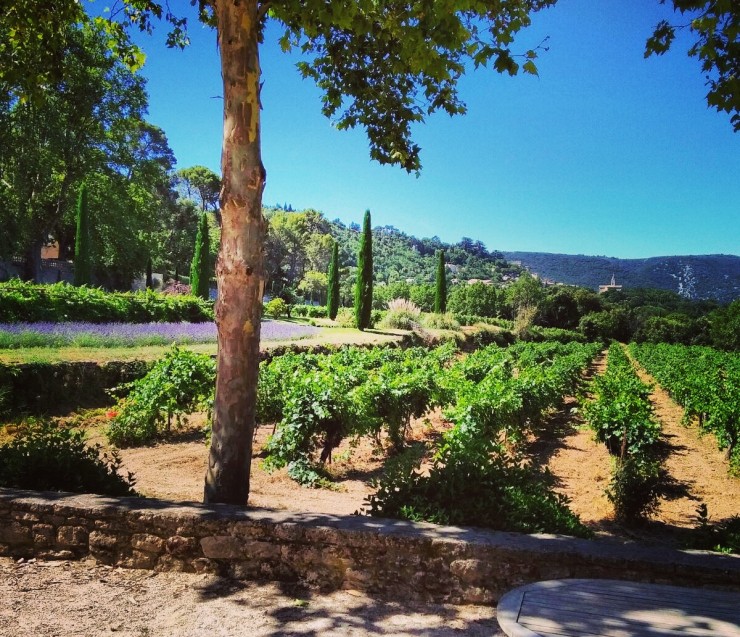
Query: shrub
(440, 322)
(310, 311)
(29, 302)
(40, 387)
(635, 487)
(498, 493)
(401, 315)
(276, 308)
(308, 474)
(472, 319)
(555, 334)
(622, 417)
(621, 414)
(723, 536)
(318, 413)
(44, 457)
(476, 479)
(179, 384)
(346, 317)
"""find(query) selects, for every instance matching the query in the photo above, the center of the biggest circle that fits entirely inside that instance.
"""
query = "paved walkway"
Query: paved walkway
(610, 608)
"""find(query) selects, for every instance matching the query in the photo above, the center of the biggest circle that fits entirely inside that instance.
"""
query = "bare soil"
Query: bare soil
(176, 470)
(66, 599)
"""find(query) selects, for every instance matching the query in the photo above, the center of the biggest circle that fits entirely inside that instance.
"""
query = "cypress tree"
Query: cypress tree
(82, 241)
(440, 295)
(332, 295)
(149, 279)
(200, 271)
(364, 285)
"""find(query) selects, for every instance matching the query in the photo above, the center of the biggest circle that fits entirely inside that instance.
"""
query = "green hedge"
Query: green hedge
(30, 302)
(309, 311)
(55, 388)
(44, 457)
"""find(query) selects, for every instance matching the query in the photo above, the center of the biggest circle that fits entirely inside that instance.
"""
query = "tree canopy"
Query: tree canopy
(716, 26)
(88, 123)
(200, 184)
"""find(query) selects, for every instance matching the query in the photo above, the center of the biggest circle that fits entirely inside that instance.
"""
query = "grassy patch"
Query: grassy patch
(334, 336)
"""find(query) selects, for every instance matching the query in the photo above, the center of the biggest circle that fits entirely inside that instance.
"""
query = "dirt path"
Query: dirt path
(580, 466)
(697, 469)
(70, 599)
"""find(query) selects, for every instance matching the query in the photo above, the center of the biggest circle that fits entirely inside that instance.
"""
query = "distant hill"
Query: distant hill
(712, 276)
(297, 243)
(398, 256)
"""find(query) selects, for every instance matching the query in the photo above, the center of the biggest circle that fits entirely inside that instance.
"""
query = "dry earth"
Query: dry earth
(73, 599)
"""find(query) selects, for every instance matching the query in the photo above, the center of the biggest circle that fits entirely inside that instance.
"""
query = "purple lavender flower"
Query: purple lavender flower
(14, 335)
(279, 330)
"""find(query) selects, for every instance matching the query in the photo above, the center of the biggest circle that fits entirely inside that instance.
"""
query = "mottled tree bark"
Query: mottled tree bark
(239, 269)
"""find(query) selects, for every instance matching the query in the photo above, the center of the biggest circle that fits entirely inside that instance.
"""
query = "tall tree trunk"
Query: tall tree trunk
(239, 270)
(32, 266)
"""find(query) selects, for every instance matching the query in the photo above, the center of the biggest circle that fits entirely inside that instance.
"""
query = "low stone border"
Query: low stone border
(390, 558)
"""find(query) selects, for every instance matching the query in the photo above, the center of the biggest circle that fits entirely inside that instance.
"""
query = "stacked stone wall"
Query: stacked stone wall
(389, 558)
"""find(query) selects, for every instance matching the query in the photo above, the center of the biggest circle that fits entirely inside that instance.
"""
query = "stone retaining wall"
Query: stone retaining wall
(389, 558)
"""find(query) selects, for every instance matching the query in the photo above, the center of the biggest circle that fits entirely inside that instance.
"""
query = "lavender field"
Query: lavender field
(22, 335)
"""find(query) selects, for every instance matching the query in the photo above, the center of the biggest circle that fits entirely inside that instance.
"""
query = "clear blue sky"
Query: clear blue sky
(605, 153)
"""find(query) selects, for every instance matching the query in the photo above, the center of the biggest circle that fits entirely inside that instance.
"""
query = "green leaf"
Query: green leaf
(529, 67)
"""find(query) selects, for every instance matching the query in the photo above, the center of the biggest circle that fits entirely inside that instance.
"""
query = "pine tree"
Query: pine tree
(82, 274)
(149, 279)
(440, 295)
(364, 285)
(200, 271)
(332, 295)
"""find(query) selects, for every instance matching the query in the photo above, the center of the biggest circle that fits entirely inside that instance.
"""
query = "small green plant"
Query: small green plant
(179, 384)
(635, 488)
(47, 457)
(723, 536)
(346, 317)
(498, 493)
(440, 322)
(276, 308)
(308, 474)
